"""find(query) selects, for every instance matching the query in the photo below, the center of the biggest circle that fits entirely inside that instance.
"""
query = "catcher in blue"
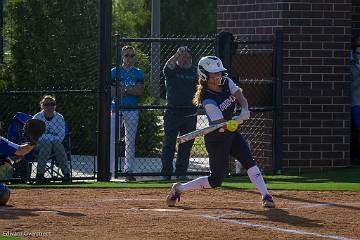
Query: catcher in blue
(33, 129)
(9, 148)
(218, 95)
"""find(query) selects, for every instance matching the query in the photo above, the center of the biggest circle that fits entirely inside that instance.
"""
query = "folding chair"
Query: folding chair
(23, 168)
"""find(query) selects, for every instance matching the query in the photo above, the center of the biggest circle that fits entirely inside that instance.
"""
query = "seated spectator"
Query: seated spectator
(51, 141)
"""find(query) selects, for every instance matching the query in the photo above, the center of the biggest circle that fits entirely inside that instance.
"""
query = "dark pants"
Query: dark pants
(354, 139)
(222, 145)
(176, 124)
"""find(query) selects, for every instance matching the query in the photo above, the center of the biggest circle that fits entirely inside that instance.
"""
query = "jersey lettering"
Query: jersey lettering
(227, 103)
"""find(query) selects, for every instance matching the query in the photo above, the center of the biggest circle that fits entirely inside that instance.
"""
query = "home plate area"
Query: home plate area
(202, 214)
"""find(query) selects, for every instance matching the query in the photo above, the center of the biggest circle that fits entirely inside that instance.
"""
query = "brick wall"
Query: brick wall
(316, 102)
(356, 16)
(243, 17)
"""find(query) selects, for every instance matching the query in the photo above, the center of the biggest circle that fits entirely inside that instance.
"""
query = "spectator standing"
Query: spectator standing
(180, 117)
(131, 86)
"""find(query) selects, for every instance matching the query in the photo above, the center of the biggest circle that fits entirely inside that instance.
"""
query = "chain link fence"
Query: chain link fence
(251, 68)
(151, 56)
(65, 148)
(60, 57)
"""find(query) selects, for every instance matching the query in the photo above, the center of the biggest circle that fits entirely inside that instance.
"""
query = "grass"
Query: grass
(347, 179)
(9, 238)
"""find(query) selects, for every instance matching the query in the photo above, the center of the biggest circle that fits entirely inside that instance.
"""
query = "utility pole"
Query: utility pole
(155, 50)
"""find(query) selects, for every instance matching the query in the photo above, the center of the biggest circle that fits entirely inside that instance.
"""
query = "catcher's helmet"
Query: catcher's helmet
(4, 194)
(209, 64)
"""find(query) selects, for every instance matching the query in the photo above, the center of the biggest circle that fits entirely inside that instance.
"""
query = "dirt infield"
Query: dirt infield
(204, 214)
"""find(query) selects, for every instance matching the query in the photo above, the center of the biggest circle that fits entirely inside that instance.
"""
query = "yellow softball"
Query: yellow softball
(232, 125)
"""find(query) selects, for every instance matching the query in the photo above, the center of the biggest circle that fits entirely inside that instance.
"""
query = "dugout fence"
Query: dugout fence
(253, 65)
(63, 57)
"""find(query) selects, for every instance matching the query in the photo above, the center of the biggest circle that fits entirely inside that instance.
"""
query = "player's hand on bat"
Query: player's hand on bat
(238, 119)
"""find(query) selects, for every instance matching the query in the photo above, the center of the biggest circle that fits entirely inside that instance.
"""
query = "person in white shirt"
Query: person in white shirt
(51, 141)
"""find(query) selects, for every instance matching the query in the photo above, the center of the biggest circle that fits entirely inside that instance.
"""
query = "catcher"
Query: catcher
(33, 129)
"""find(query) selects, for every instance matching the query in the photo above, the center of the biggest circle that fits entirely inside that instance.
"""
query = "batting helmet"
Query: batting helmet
(4, 194)
(209, 64)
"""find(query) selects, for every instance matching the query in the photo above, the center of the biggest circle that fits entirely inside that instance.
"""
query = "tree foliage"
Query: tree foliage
(131, 18)
(188, 17)
(53, 43)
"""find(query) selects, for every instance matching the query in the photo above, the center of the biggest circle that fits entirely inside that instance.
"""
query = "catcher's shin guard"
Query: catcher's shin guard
(174, 195)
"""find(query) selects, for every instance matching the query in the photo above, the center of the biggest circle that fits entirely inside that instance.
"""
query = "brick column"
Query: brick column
(316, 117)
(356, 16)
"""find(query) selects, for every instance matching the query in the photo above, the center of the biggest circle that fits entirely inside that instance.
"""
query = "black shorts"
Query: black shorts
(222, 145)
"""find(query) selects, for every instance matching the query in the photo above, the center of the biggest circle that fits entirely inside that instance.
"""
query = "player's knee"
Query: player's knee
(248, 164)
(215, 181)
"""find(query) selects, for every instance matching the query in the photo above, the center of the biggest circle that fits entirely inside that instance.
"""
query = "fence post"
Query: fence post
(277, 102)
(225, 49)
(103, 141)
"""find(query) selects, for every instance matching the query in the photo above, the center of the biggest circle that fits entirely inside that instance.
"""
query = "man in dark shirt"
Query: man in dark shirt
(180, 117)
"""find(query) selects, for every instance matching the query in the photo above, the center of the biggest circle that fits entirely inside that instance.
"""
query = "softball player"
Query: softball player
(9, 148)
(218, 94)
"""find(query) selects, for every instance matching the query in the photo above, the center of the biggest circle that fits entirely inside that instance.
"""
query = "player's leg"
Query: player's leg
(183, 155)
(240, 150)
(218, 155)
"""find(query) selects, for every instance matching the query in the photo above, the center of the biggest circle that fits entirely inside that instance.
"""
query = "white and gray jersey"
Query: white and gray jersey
(221, 105)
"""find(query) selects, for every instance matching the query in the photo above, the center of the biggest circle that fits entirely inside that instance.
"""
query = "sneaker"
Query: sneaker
(40, 179)
(173, 195)
(268, 202)
(66, 178)
(130, 179)
(165, 178)
(182, 178)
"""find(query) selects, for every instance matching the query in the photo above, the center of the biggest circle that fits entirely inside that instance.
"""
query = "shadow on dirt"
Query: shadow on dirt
(9, 212)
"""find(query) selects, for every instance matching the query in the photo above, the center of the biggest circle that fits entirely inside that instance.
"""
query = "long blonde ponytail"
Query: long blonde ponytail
(199, 94)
